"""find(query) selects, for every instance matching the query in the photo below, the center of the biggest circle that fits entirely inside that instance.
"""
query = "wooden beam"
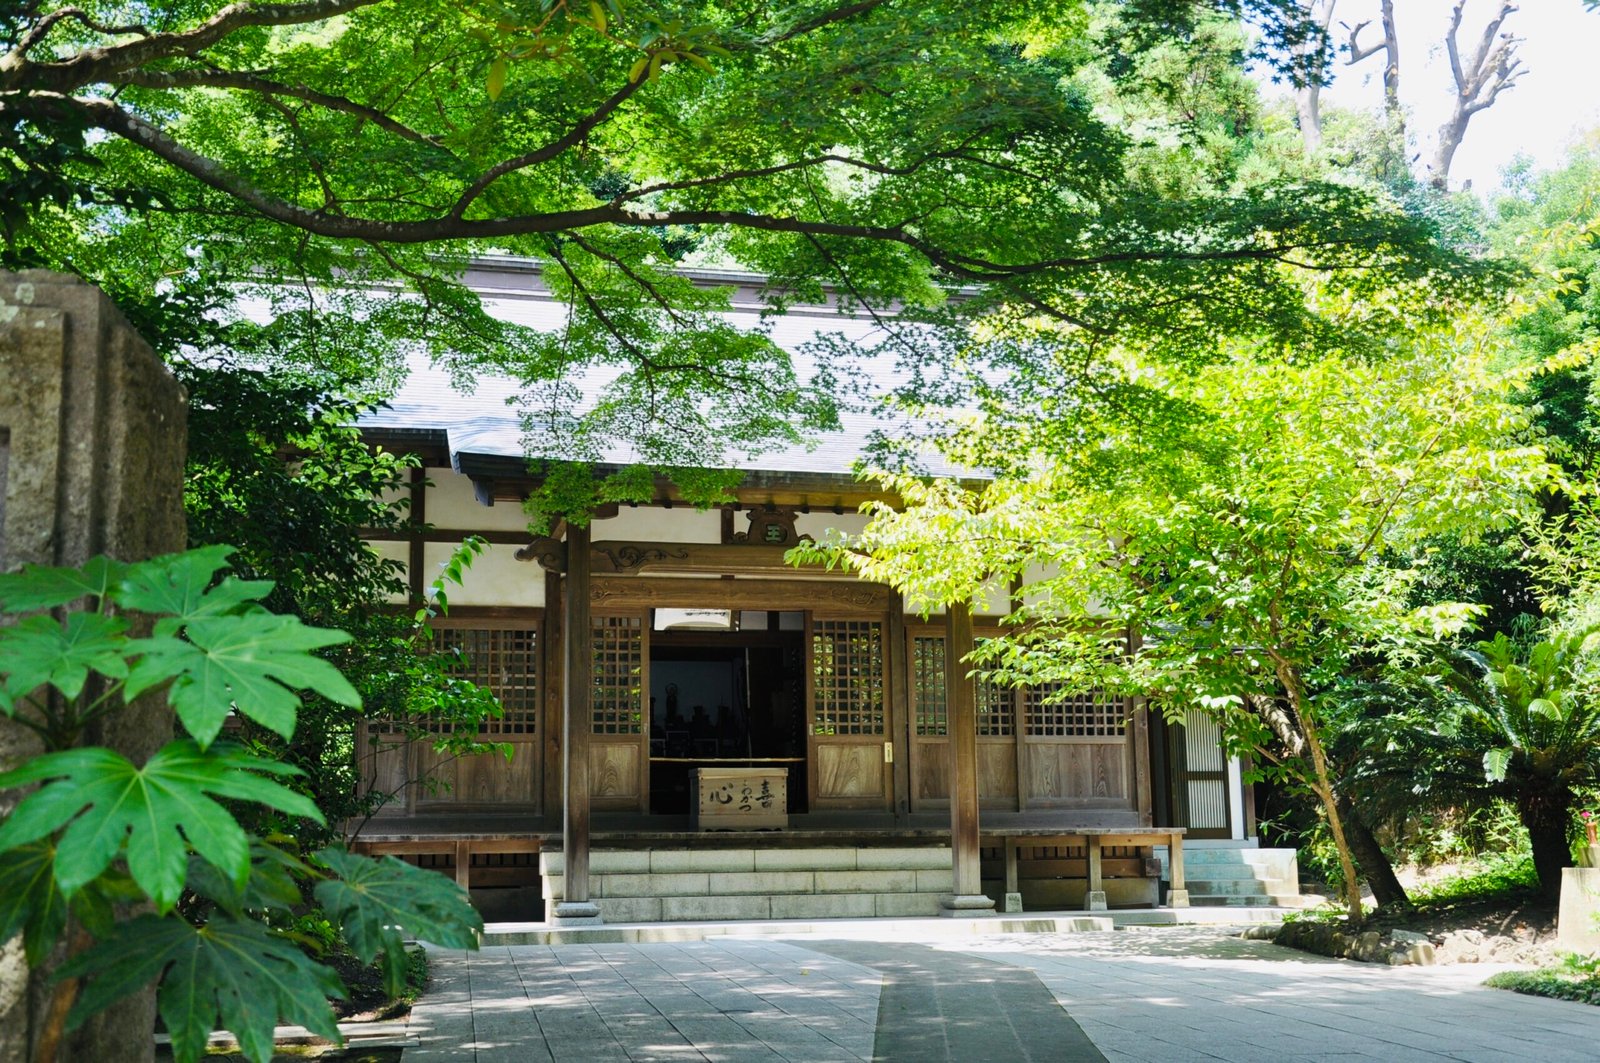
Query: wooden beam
(577, 680)
(1096, 899)
(627, 557)
(961, 701)
(837, 598)
(1178, 895)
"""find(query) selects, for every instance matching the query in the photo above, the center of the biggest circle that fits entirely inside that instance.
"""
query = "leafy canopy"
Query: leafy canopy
(320, 153)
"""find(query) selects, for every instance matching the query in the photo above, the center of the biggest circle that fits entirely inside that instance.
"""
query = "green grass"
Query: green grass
(1576, 978)
(1499, 875)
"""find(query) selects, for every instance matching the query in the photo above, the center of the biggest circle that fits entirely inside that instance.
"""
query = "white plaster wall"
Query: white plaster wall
(817, 525)
(1235, 799)
(680, 524)
(451, 504)
(495, 578)
(996, 601)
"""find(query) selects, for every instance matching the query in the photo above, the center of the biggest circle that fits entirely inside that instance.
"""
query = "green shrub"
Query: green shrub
(1575, 978)
(1492, 875)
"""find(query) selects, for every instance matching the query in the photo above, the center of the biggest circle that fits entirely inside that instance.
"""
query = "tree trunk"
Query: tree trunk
(1375, 865)
(96, 430)
(1307, 103)
(1545, 816)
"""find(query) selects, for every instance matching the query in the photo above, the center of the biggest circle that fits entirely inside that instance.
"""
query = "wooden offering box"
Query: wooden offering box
(740, 799)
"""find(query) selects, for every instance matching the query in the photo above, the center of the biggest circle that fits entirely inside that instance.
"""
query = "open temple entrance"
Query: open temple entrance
(727, 689)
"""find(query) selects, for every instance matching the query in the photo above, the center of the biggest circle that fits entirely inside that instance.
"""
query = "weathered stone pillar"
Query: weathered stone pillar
(575, 908)
(91, 462)
(961, 705)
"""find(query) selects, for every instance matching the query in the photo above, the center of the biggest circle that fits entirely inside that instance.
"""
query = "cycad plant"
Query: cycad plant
(1531, 717)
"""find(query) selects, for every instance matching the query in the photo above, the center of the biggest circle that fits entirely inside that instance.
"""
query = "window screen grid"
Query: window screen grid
(505, 661)
(927, 663)
(847, 665)
(1084, 714)
(618, 675)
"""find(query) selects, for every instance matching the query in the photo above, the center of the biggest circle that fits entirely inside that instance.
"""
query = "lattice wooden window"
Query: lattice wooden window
(997, 708)
(618, 675)
(1089, 714)
(927, 685)
(506, 662)
(996, 704)
(847, 665)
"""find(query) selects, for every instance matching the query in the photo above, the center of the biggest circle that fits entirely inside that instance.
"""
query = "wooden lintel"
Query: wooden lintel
(834, 597)
(621, 557)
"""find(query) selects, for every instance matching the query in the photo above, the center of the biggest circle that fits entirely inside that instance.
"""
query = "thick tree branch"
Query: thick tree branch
(102, 64)
(1490, 70)
(253, 82)
(104, 114)
(551, 150)
(818, 21)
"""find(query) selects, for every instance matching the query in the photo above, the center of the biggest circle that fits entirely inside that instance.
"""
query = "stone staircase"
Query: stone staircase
(1240, 877)
(706, 884)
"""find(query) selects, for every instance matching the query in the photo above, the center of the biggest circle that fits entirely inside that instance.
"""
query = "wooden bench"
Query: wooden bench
(1094, 840)
(460, 847)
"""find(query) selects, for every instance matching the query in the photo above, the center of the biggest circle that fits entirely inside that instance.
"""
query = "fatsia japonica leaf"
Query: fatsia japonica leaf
(254, 663)
(38, 587)
(41, 649)
(30, 902)
(176, 588)
(379, 903)
(231, 973)
(271, 885)
(159, 810)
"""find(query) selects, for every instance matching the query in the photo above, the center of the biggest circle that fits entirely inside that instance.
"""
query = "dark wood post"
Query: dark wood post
(577, 720)
(961, 701)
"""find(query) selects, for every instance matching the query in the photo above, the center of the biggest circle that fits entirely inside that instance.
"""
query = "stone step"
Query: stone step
(752, 906)
(1234, 857)
(1239, 887)
(1251, 900)
(1229, 872)
(677, 861)
(614, 885)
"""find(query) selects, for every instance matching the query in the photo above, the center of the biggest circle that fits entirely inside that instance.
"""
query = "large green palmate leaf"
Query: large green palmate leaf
(254, 663)
(37, 587)
(176, 588)
(41, 649)
(30, 902)
(160, 810)
(379, 903)
(232, 973)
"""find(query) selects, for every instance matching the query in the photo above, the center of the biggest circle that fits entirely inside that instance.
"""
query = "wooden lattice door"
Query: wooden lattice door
(849, 715)
(618, 750)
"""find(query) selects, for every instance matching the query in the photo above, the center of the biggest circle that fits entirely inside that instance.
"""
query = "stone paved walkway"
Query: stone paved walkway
(1147, 994)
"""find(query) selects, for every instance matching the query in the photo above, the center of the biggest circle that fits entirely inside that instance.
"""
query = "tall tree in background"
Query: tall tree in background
(1388, 43)
(1492, 67)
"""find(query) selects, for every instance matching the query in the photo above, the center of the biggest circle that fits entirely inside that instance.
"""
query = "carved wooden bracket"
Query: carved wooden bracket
(550, 553)
(626, 557)
(770, 526)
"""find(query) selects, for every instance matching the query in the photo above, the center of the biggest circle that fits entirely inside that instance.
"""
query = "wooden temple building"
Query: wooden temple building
(702, 731)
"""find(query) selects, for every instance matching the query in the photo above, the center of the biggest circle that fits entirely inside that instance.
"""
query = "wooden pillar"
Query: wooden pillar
(961, 702)
(901, 726)
(1095, 900)
(577, 721)
(1178, 895)
(1013, 886)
